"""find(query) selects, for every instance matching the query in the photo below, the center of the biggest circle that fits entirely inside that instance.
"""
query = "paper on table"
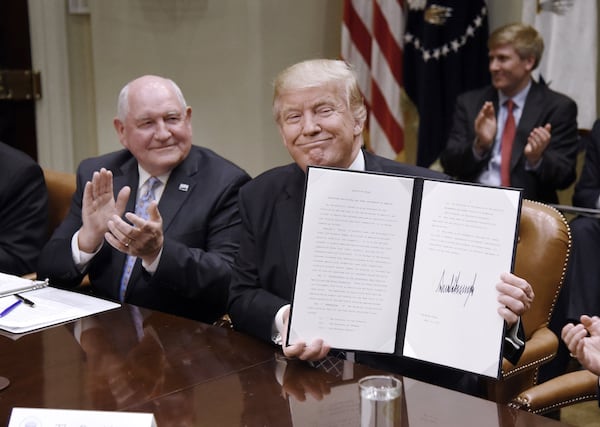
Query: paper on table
(351, 259)
(462, 248)
(10, 284)
(52, 306)
(74, 417)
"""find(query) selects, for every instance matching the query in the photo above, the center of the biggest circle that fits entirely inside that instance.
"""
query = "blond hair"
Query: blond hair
(317, 73)
(525, 39)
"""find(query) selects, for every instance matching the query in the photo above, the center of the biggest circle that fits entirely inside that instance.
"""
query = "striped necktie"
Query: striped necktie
(141, 210)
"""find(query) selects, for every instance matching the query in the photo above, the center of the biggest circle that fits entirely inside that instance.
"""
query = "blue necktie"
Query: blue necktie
(141, 210)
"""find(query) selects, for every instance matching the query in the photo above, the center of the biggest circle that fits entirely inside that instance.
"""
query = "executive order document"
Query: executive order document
(404, 265)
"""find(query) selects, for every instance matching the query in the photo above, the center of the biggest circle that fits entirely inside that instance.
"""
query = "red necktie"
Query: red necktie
(508, 136)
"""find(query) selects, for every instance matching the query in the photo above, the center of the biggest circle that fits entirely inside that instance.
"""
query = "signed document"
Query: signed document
(465, 240)
(402, 265)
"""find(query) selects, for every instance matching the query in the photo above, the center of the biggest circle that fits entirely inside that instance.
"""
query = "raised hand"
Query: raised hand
(98, 206)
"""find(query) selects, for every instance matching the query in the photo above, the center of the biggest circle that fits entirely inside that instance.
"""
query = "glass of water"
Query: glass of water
(380, 401)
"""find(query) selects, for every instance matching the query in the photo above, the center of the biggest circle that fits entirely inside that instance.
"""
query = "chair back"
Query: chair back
(61, 186)
(541, 259)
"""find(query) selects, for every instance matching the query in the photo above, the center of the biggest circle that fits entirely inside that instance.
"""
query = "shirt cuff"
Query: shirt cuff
(80, 258)
(535, 167)
(151, 268)
(277, 326)
(512, 335)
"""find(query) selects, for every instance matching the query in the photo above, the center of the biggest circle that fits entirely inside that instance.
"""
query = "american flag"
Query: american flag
(372, 32)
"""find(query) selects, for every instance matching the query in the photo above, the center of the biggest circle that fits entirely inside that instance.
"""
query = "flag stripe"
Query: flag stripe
(372, 44)
(387, 121)
(359, 33)
(387, 44)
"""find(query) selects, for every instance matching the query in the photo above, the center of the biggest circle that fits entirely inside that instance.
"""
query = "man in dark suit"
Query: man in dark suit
(542, 127)
(23, 211)
(581, 281)
(320, 114)
(580, 293)
(182, 243)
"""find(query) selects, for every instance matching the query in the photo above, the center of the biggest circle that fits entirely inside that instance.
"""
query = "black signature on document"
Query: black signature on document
(456, 286)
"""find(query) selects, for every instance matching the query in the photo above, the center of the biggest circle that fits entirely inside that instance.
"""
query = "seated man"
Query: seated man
(516, 132)
(320, 115)
(174, 254)
(580, 293)
(581, 281)
(23, 211)
(583, 341)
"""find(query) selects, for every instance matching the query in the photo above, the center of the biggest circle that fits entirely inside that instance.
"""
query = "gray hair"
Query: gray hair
(123, 100)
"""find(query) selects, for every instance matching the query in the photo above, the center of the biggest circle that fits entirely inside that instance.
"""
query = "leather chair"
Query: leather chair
(564, 390)
(61, 186)
(541, 257)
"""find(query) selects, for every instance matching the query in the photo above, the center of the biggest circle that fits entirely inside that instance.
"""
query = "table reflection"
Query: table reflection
(292, 393)
(119, 359)
(191, 374)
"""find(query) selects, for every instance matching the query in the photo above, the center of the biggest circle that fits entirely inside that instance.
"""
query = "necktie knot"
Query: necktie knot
(147, 197)
(509, 105)
(151, 186)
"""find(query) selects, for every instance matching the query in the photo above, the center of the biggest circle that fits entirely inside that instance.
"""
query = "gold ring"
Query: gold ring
(127, 243)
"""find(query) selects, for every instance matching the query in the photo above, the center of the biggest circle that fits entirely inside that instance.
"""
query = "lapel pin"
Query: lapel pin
(183, 187)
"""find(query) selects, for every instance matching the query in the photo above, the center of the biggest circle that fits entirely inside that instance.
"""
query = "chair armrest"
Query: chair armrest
(566, 389)
(539, 349)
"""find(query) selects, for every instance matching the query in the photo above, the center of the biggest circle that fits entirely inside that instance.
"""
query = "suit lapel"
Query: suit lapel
(288, 218)
(172, 198)
(372, 164)
(528, 120)
(179, 186)
(128, 176)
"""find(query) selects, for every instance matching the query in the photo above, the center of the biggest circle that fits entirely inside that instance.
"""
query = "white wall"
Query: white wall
(223, 53)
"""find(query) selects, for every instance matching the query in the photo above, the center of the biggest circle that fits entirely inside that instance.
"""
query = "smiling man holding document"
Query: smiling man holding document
(320, 114)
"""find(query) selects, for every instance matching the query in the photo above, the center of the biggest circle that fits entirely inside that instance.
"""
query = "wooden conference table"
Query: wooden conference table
(191, 374)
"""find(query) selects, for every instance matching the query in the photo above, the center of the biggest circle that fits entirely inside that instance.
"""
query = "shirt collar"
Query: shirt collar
(144, 176)
(518, 99)
(359, 162)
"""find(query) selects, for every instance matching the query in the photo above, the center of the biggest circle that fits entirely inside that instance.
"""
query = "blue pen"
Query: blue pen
(10, 308)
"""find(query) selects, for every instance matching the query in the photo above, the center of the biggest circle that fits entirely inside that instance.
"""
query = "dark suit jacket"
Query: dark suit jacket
(265, 267)
(557, 170)
(580, 293)
(201, 235)
(587, 189)
(23, 211)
